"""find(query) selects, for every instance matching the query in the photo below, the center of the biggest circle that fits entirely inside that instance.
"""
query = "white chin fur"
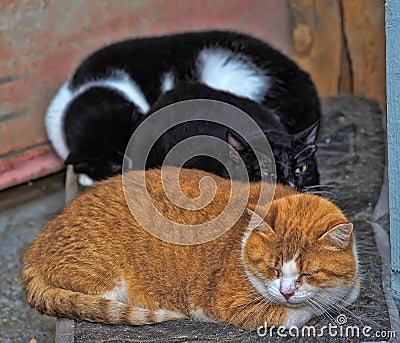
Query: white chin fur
(223, 70)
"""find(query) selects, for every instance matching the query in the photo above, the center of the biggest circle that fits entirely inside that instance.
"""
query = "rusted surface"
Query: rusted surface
(43, 41)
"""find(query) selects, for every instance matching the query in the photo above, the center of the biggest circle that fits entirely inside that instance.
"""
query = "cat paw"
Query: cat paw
(85, 180)
(297, 317)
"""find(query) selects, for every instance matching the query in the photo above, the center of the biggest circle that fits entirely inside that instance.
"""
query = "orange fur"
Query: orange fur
(95, 262)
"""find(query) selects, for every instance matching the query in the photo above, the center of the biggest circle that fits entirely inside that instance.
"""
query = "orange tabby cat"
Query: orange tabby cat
(95, 262)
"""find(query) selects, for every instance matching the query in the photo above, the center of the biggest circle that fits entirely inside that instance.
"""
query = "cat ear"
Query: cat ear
(257, 223)
(339, 236)
(309, 135)
(234, 142)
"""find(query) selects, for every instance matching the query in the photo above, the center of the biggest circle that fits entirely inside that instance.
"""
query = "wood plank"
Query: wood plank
(393, 125)
(364, 31)
(317, 41)
(28, 165)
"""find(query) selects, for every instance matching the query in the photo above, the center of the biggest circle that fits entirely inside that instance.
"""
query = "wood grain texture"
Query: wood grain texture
(316, 36)
(393, 137)
(363, 23)
(341, 43)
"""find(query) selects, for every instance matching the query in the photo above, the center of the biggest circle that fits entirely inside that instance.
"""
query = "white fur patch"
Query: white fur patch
(200, 316)
(255, 281)
(223, 70)
(85, 180)
(297, 317)
(163, 315)
(115, 311)
(244, 241)
(167, 82)
(122, 83)
(289, 269)
(139, 316)
(119, 293)
(54, 121)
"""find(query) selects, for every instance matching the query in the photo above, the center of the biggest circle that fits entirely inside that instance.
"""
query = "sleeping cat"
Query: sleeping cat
(95, 262)
(294, 154)
(140, 70)
(229, 61)
(92, 153)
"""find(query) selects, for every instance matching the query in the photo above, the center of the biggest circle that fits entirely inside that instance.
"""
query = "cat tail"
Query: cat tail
(55, 301)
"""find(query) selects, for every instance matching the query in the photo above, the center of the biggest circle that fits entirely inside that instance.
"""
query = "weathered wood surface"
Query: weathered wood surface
(393, 134)
(342, 44)
(317, 41)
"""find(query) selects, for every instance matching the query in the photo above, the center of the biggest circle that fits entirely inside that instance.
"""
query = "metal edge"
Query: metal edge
(65, 327)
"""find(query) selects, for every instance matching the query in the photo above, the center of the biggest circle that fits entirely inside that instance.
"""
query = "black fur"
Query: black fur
(99, 121)
(292, 94)
(291, 151)
(98, 125)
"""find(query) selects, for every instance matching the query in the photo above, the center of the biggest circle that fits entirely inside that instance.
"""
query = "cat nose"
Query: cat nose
(287, 294)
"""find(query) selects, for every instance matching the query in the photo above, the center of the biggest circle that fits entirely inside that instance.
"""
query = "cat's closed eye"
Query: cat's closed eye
(311, 273)
(269, 174)
(276, 271)
(301, 169)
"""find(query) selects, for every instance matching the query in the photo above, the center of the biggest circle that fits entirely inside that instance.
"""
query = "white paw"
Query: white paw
(85, 180)
(297, 316)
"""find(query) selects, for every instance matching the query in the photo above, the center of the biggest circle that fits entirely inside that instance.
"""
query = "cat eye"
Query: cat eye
(277, 271)
(301, 169)
(269, 174)
(310, 273)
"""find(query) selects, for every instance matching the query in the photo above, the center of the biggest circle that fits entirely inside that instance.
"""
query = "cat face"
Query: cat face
(96, 169)
(294, 155)
(303, 260)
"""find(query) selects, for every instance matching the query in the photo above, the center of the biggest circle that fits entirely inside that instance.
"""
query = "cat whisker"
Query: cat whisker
(330, 307)
(320, 310)
(323, 309)
(254, 314)
(259, 303)
(322, 193)
(250, 302)
(339, 309)
(282, 164)
(319, 186)
(301, 151)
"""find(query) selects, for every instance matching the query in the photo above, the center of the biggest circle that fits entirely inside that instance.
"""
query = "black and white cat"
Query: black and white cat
(132, 74)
